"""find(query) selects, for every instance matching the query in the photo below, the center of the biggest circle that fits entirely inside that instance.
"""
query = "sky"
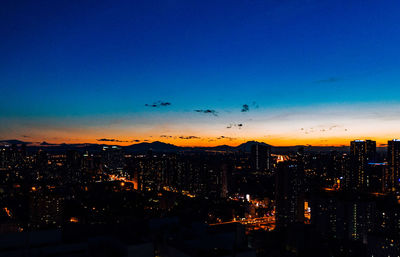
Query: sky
(200, 73)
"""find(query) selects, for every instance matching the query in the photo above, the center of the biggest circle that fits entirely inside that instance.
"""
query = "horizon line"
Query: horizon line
(48, 144)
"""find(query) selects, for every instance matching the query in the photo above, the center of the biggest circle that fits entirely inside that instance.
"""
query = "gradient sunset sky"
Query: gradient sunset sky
(200, 73)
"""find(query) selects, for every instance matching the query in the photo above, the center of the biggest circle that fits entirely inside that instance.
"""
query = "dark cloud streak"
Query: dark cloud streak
(245, 108)
(224, 137)
(116, 140)
(235, 125)
(158, 104)
(189, 137)
(208, 111)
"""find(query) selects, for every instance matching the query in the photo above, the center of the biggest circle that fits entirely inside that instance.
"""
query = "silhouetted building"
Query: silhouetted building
(393, 152)
(73, 159)
(290, 192)
(260, 157)
(377, 176)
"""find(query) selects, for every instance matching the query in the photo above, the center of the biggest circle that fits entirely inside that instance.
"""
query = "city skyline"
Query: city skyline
(159, 128)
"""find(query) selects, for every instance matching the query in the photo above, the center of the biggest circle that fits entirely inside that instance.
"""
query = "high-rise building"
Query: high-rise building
(378, 177)
(46, 210)
(113, 157)
(289, 192)
(393, 152)
(362, 152)
(225, 179)
(343, 216)
(260, 157)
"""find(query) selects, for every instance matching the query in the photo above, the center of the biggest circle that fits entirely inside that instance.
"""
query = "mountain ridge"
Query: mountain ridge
(158, 146)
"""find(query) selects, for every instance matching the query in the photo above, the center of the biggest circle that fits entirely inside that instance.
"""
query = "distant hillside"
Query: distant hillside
(165, 147)
(13, 142)
(154, 146)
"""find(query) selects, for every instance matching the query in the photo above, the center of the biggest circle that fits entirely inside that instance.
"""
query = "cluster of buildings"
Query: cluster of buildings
(277, 200)
(356, 208)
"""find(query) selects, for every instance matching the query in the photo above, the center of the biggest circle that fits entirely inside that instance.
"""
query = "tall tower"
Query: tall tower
(393, 153)
(289, 192)
(113, 157)
(260, 157)
(362, 152)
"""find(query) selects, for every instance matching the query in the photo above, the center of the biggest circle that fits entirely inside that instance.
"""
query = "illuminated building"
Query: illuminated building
(4, 157)
(74, 164)
(385, 241)
(393, 153)
(362, 152)
(224, 181)
(46, 210)
(341, 216)
(113, 157)
(90, 162)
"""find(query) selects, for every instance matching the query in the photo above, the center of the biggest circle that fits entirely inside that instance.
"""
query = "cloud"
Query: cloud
(189, 137)
(246, 107)
(328, 80)
(166, 136)
(116, 140)
(208, 111)
(321, 128)
(224, 137)
(181, 137)
(25, 136)
(255, 104)
(235, 125)
(158, 104)
(109, 140)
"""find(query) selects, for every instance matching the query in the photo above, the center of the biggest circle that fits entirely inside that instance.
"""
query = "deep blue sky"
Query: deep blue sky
(92, 62)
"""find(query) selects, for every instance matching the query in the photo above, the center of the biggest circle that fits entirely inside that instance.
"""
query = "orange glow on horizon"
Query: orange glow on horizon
(319, 125)
(211, 142)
